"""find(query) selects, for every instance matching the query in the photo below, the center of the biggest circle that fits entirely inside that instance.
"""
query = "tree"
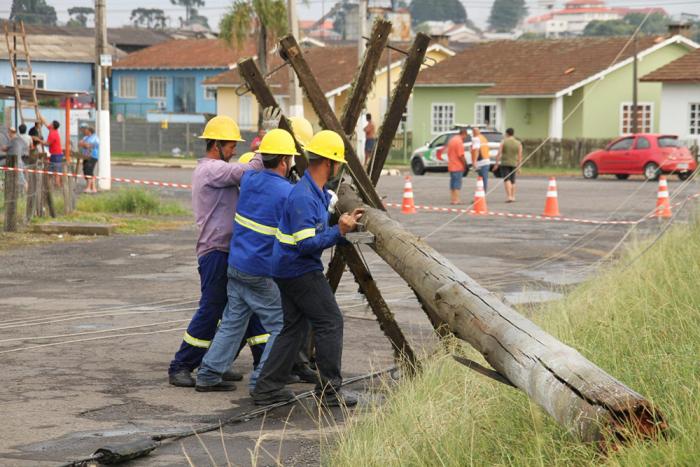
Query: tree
(151, 18)
(196, 18)
(267, 18)
(615, 27)
(656, 23)
(79, 15)
(437, 10)
(506, 14)
(190, 7)
(33, 12)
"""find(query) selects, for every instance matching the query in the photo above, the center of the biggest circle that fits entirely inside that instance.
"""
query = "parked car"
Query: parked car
(432, 157)
(643, 154)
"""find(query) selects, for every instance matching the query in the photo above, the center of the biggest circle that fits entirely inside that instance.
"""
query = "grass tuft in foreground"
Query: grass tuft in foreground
(129, 201)
(640, 324)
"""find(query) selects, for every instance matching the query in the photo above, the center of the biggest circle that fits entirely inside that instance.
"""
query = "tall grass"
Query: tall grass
(641, 324)
(129, 201)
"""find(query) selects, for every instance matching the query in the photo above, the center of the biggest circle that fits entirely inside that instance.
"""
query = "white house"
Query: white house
(680, 96)
(575, 16)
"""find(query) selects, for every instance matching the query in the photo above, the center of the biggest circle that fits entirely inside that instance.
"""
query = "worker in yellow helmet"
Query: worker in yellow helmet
(215, 189)
(301, 129)
(246, 158)
(302, 236)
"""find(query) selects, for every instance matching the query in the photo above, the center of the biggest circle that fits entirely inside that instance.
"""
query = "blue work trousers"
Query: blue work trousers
(248, 296)
(202, 327)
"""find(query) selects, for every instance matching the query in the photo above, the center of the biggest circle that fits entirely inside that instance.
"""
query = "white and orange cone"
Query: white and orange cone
(407, 205)
(551, 205)
(663, 205)
(480, 197)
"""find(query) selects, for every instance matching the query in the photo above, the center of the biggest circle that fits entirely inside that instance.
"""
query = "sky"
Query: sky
(118, 11)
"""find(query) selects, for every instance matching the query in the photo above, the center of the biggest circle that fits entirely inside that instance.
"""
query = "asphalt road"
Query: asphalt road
(87, 328)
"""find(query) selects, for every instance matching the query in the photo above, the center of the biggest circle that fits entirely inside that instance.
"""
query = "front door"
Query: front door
(184, 94)
(617, 155)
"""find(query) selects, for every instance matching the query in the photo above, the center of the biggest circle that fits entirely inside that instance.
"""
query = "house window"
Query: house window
(127, 87)
(209, 93)
(156, 87)
(644, 117)
(442, 117)
(694, 123)
(486, 115)
(39, 79)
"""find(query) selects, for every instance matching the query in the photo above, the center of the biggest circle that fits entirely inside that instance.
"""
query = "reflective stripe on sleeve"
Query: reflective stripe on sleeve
(304, 234)
(284, 238)
(194, 342)
(255, 226)
(257, 340)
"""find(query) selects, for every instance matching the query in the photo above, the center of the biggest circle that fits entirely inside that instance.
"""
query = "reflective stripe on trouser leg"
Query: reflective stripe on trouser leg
(257, 340)
(202, 327)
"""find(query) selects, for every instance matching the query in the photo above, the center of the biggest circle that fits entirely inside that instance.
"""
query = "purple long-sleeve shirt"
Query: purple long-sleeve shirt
(214, 198)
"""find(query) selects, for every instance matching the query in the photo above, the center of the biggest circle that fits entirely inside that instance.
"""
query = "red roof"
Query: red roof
(524, 67)
(186, 53)
(682, 70)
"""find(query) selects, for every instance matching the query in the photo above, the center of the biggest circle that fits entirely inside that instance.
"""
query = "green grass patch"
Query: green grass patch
(129, 201)
(640, 324)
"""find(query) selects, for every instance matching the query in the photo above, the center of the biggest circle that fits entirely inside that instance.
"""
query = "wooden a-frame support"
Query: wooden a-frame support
(361, 86)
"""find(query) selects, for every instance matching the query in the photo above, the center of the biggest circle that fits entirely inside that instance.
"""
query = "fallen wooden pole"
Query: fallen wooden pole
(575, 392)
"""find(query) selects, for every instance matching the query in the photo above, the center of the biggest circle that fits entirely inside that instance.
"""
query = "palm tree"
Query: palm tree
(267, 17)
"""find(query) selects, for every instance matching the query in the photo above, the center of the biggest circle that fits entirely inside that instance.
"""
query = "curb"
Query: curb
(161, 165)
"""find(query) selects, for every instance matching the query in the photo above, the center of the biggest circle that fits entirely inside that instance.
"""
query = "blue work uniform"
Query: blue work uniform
(303, 231)
(302, 235)
(251, 291)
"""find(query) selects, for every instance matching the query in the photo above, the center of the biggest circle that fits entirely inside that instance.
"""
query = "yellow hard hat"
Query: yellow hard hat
(278, 141)
(247, 157)
(222, 128)
(301, 129)
(327, 144)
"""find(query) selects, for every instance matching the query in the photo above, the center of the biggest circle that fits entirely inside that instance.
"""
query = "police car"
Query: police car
(433, 156)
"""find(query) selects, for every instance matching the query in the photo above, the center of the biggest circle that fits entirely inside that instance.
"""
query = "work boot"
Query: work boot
(218, 387)
(293, 379)
(306, 374)
(231, 375)
(338, 398)
(181, 379)
(281, 395)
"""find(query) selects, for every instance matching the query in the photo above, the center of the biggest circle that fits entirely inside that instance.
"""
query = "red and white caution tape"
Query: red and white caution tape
(535, 216)
(114, 179)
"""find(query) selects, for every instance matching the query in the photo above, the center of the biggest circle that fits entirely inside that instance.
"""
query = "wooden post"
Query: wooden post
(11, 191)
(399, 101)
(293, 53)
(250, 73)
(31, 191)
(575, 392)
(39, 190)
(47, 195)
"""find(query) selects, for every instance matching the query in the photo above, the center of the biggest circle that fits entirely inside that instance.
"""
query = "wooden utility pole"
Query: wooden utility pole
(102, 94)
(11, 192)
(296, 104)
(575, 392)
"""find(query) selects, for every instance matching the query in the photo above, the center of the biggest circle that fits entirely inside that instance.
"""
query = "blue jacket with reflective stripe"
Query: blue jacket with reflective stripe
(303, 231)
(255, 224)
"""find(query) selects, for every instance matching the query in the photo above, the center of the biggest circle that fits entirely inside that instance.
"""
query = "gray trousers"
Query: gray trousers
(305, 299)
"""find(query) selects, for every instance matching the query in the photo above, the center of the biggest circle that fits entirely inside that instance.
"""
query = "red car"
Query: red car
(641, 154)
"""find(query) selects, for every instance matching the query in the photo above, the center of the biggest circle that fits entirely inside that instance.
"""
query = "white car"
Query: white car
(432, 157)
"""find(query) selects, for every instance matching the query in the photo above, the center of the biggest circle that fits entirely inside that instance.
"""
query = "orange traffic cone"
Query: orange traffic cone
(480, 197)
(551, 205)
(407, 206)
(663, 205)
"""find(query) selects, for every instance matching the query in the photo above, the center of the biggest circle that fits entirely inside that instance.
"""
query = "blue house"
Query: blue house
(168, 77)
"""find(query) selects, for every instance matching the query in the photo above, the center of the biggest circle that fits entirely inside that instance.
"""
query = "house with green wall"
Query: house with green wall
(562, 89)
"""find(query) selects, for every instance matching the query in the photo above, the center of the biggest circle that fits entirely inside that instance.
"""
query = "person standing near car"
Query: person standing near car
(510, 156)
(456, 164)
(480, 156)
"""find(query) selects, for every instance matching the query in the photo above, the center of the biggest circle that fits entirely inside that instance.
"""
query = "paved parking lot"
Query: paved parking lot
(87, 328)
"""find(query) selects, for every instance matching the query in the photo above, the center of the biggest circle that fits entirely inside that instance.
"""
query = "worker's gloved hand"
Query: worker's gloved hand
(348, 222)
(332, 202)
(271, 118)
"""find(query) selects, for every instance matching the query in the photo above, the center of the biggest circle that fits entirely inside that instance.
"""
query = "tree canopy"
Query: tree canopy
(33, 12)
(437, 10)
(151, 18)
(79, 15)
(237, 23)
(655, 24)
(506, 14)
(190, 8)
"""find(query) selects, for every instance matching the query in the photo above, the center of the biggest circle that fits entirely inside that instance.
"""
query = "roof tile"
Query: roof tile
(186, 53)
(682, 70)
